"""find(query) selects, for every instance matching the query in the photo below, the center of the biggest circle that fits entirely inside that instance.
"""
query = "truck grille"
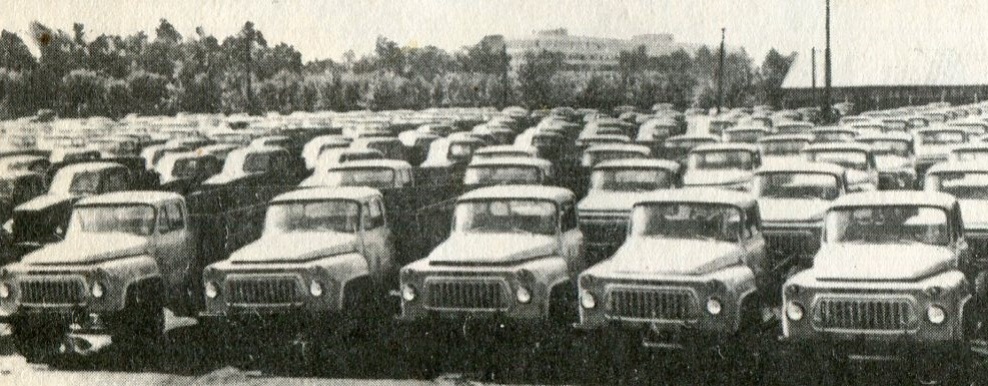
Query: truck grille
(652, 304)
(52, 291)
(604, 229)
(864, 314)
(473, 295)
(263, 291)
(782, 242)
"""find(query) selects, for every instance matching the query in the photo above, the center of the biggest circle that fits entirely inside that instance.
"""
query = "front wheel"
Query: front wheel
(139, 329)
(38, 340)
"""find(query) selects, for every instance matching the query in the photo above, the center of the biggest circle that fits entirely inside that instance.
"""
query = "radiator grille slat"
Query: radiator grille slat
(52, 291)
(466, 295)
(263, 291)
(652, 304)
(864, 314)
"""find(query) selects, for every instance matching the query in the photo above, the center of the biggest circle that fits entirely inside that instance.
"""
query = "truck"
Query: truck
(692, 275)
(894, 279)
(508, 266)
(722, 165)
(792, 199)
(615, 186)
(124, 257)
(323, 264)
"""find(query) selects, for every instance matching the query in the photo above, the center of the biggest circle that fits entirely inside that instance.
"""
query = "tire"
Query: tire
(139, 329)
(37, 340)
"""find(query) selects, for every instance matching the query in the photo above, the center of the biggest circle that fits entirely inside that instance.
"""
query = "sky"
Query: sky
(328, 28)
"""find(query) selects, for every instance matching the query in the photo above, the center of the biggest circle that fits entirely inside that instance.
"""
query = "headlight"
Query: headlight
(408, 292)
(211, 291)
(794, 311)
(97, 290)
(936, 314)
(713, 306)
(523, 295)
(315, 289)
(587, 300)
(4, 291)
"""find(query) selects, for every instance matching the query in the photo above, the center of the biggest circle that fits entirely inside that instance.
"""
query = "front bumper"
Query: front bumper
(858, 349)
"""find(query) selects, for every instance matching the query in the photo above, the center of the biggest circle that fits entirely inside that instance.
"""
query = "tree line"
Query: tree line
(77, 75)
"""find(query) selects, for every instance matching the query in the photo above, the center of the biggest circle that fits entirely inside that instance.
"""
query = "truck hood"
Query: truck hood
(928, 152)
(675, 256)
(89, 250)
(609, 201)
(491, 249)
(716, 177)
(975, 214)
(777, 160)
(295, 247)
(221, 179)
(46, 201)
(792, 209)
(881, 262)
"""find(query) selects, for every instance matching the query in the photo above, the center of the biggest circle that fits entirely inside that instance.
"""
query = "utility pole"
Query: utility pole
(827, 105)
(720, 73)
(813, 69)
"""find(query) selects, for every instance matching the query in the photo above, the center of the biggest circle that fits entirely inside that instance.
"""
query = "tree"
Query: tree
(14, 54)
(772, 73)
(390, 57)
(148, 91)
(166, 33)
(535, 77)
(83, 94)
(487, 56)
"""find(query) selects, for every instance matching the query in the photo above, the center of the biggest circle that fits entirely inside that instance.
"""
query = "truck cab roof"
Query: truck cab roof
(699, 195)
(638, 163)
(154, 198)
(522, 192)
(355, 193)
(896, 198)
(372, 163)
(799, 166)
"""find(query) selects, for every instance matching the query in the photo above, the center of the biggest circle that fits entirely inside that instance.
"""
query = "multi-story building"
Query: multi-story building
(588, 53)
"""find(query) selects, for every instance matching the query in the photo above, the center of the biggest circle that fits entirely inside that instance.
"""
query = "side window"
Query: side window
(164, 226)
(754, 220)
(569, 220)
(376, 218)
(176, 216)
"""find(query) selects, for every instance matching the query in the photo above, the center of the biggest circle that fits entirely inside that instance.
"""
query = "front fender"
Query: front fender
(341, 271)
(120, 277)
(546, 274)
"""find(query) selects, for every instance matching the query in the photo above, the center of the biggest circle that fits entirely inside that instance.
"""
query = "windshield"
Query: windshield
(502, 154)
(187, 167)
(967, 185)
(500, 175)
(316, 216)
(748, 136)
(591, 158)
(890, 148)
(833, 136)
(888, 224)
(506, 216)
(941, 137)
(796, 185)
(257, 163)
(849, 159)
(81, 182)
(686, 221)
(716, 160)
(370, 177)
(783, 148)
(971, 155)
(630, 180)
(133, 219)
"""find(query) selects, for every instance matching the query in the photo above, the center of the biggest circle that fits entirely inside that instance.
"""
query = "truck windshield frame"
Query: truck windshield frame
(466, 216)
(345, 177)
(503, 174)
(630, 179)
(968, 185)
(850, 159)
(722, 160)
(303, 215)
(796, 185)
(888, 224)
(687, 220)
(79, 225)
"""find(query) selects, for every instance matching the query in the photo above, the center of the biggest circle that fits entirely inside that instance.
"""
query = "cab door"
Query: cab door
(173, 249)
(378, 240)
(755, 255)
(571, 239)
